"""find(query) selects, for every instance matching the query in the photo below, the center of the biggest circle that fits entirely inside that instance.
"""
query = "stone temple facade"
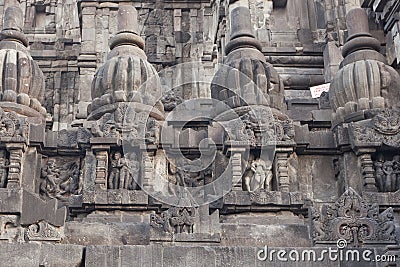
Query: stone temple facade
(194, 133)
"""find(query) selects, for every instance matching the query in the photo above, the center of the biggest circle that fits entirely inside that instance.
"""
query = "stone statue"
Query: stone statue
(386, 224)
(114, 180)
(262, 176)
(387, 174)
(390, 178)
(121, 176)
(379, 175)
(319, 233)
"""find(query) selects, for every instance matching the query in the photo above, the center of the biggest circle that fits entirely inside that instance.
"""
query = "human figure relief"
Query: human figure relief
(122, 174)
(390, 178)
(50, 174)
(262, 176)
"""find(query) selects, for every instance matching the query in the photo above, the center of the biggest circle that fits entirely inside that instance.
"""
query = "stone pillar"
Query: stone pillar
(281, 167)
(14, 170)
(367, 170)
(101, 167)
(147, 170)
(236, 154)
(237, 171)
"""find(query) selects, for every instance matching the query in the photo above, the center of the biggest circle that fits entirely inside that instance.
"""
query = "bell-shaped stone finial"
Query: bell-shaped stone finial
(22, 85)
(359, 36)
(127, 19)
(241, 31)
(241, 23)
(13, 19)
(357, 23)
(364, 80)
(127, 28)
(12, 26)
(126, 76)
(246, 77)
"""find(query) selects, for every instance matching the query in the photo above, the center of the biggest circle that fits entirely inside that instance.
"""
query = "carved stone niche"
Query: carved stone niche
(387, 171)
(368, 138)
(352, 219)
(60, 178)
(113, 176)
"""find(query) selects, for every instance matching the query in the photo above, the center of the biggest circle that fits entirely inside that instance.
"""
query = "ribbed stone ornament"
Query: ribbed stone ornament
(363, 81)
(126, 75)
(246, 77)
(22, 81)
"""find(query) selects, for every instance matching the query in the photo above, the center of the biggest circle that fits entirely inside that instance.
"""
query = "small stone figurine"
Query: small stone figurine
(262, 176)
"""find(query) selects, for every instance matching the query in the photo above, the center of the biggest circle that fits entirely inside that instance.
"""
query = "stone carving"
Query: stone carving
(106, 126)
(124, 172)
(387, 174)
(187, 174)
(12, 127)
(67, 138)
(175, 220)
(387, 122)
(351, 91)
(324, 101)
(60, 181)
(127, 124)
(42, 231)
(352, 219)
(170, 100)
(261, 197)
(259, 127)
(151, 131)
(261, 176)
(383, 128)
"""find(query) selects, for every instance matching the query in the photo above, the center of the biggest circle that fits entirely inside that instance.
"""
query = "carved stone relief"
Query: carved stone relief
(124, 171)
(12, 128)
(387, 173)
(384, 128)
(60, 178)
(175, 220)
(352, 219)
(258, 176)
